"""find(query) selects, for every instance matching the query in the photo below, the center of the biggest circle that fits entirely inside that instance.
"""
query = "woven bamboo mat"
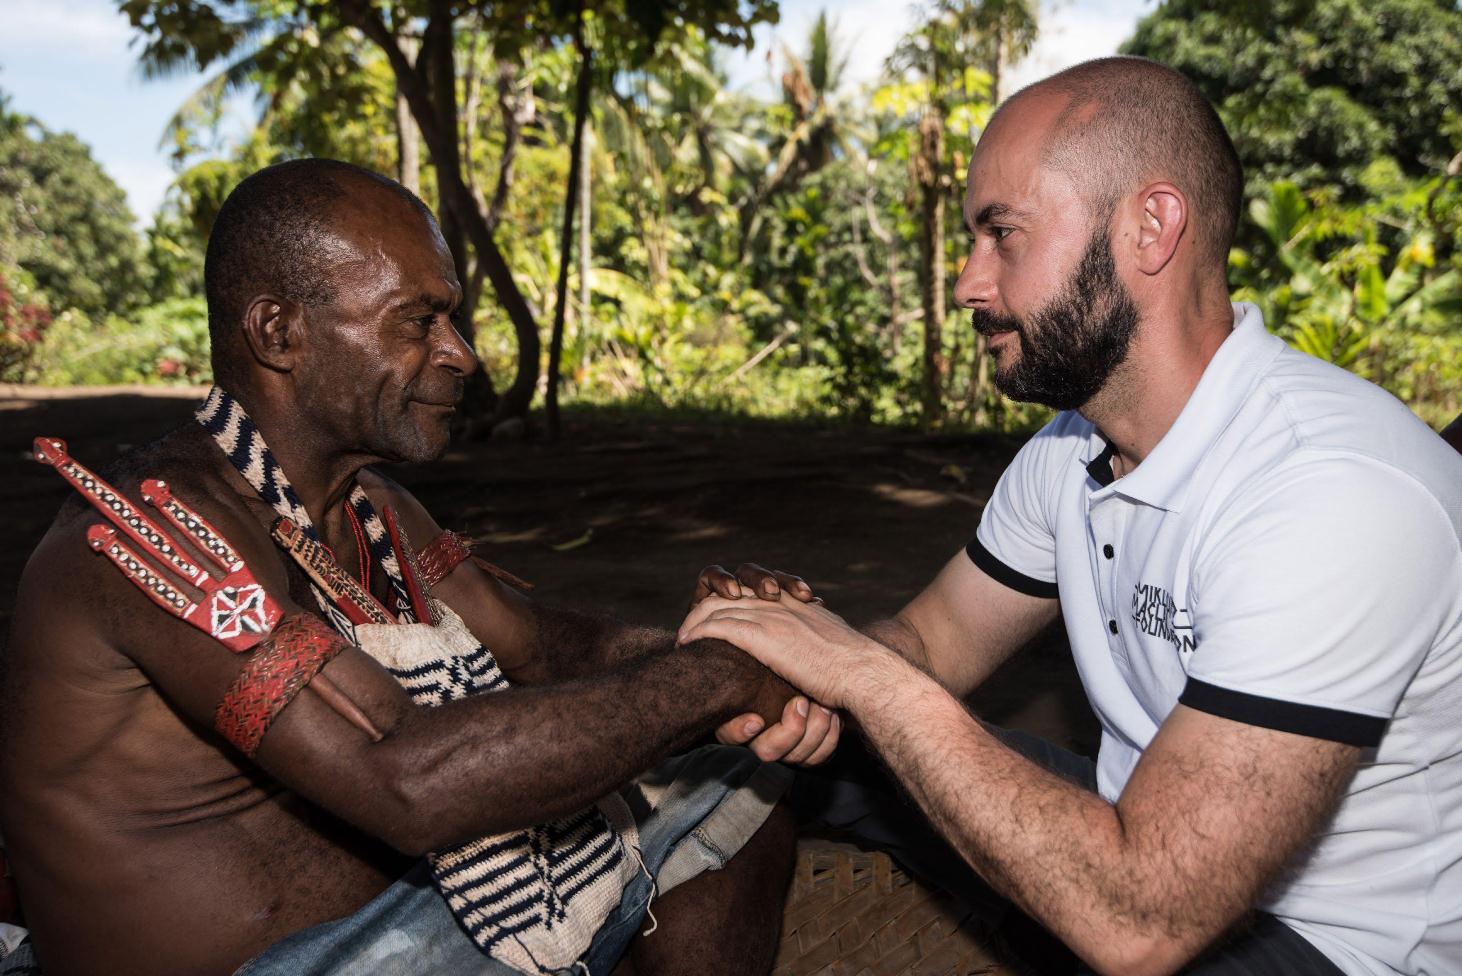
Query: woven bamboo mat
(855, 913)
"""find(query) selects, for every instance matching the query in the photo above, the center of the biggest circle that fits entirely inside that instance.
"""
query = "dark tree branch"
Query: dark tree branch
(511, 101)
(581, 112)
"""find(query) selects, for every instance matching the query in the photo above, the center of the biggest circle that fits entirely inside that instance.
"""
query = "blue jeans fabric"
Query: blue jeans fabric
(21, 962)
(407, 929)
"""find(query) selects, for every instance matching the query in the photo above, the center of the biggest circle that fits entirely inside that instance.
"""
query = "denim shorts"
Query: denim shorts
(694, 812)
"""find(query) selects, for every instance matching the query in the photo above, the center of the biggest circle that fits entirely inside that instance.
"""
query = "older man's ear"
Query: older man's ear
(272, 330)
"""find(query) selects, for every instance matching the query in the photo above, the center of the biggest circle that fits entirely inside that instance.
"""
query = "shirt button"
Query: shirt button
(1112, 626)
(1108, 551)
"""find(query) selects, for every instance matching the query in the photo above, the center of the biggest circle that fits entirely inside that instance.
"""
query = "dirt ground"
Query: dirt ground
(622, 513)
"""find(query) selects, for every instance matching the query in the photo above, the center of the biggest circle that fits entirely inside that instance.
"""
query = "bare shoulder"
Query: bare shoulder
(67, 588)
(80, 672)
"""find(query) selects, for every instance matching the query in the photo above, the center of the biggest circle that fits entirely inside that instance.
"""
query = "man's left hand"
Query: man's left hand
(807, 733)
(807, 644)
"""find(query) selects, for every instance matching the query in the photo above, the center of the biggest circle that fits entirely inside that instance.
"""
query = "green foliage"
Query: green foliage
(1315, 91)
(763, 255)
(63, 221)
(1363, 286)
(835, 321)
(164, 343)
(1346, 116)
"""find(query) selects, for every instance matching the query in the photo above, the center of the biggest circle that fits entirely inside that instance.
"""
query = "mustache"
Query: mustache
(987, 323)
(447, 395)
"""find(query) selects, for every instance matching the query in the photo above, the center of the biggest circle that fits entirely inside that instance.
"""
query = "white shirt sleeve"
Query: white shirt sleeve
(1317, 594)
(1015, 543)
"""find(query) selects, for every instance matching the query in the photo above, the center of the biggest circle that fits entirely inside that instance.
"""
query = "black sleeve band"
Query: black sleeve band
(1002, 573)
(1284, 716)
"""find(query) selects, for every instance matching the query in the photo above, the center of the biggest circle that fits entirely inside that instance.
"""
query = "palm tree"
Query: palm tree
(1008, 29)
(817, 132)
(676, 126)
(955, 35)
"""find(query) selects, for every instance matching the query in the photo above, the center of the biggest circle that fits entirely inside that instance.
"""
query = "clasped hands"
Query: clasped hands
(775, 617)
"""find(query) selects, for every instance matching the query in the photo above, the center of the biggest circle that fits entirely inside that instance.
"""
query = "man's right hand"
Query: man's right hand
(803, 732)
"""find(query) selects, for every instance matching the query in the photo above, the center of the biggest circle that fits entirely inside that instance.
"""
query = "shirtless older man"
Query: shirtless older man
(167, 809)
(1257, 557)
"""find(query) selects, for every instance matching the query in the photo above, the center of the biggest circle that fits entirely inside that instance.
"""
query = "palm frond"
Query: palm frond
(207, 100)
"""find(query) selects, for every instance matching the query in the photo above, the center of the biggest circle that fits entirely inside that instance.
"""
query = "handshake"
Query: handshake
(812, 655)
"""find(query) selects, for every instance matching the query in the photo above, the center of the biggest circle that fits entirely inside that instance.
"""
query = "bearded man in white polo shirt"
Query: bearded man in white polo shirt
(1256, 556)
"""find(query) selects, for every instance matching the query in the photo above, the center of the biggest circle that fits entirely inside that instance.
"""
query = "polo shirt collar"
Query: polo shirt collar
(1164, 476)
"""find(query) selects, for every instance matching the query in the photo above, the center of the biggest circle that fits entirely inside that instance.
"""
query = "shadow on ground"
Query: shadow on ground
(622, 513)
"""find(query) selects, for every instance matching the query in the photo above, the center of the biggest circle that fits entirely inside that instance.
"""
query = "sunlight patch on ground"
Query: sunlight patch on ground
(917, 497)
(705, 533)
(508, 538)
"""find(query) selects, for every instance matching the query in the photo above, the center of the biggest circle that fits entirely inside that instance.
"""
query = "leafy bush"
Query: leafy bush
(1371, 288)
(163, 343)
(24, 319)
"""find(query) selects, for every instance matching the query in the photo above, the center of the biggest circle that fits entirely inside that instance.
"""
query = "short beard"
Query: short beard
(1069, 347)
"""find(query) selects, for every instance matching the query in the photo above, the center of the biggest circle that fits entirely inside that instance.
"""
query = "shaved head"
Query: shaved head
(278, 233)
(1129, 121)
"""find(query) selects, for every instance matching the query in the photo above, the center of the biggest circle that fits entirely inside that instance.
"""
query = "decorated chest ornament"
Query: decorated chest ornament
(231, 608)
(230, 605)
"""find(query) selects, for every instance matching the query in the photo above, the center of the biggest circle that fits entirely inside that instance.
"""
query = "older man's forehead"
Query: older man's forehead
(368, 237)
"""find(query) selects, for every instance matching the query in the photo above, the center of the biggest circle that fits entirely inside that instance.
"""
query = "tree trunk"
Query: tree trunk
(565, 249)
(929, 167)
(979, 384)
(586, 152)
(437, 57)
(437, 65)
(997, 64)
(517, 109)
(472, 107)
(408, 140)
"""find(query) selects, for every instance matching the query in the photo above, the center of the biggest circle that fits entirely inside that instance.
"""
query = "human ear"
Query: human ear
(1163, 219)
(273, 328)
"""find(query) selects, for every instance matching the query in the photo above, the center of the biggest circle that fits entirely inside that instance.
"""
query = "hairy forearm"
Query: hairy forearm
(1059, 851)
(960, 670)
(509, 759)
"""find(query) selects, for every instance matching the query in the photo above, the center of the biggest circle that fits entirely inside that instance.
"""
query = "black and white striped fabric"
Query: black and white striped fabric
(532, 898)
(224, 417)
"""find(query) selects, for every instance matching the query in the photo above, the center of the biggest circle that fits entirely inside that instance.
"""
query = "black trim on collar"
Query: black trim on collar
(1002, 573)
(1284, 716)
(1100, 467)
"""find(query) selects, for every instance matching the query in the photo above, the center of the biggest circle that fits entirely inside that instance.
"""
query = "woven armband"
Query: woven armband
(278, 670)
(441, 556)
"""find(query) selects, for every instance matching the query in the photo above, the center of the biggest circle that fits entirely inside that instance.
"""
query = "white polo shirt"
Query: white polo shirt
(1288, 556)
